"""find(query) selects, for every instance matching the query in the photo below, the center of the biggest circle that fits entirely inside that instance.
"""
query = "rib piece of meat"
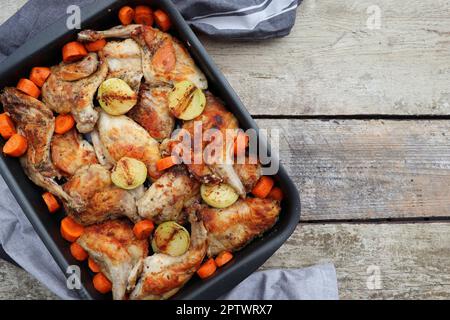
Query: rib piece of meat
(37, 123)
(168, 196)
(103, 199)
(77, 70)
(164, 58)
(124, 62)
(122, 137)
(75, 97)
(232, 228)
(219, 127)
(164, 275)
(71, 152)
(113, 246)
(152, 111)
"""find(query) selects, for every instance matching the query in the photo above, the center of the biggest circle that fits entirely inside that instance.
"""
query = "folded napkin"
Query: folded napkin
(243, 19)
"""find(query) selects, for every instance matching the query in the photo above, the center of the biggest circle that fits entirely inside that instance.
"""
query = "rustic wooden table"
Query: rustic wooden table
(361, 92)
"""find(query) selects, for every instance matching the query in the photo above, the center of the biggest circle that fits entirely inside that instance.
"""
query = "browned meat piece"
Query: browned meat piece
(77, 70)
(70, 152)
(113, 246)
(152, 111)
(164, 275)
(232, 228)
(249, 172)
(103, 199)
(168, 196)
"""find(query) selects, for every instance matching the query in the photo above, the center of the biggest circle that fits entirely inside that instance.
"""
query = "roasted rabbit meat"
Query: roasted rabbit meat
(113, 246)
(71, 152)
(164, 59)
(168, 196)
(76, 97)
(120, 137)
(232, 228)
(164, 275)
(103, 200)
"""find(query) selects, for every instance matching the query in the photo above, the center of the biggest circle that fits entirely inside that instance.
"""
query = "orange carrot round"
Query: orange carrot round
(162, 20)
(143, 15)
(223, 258)
(70, 229)
(207, 269)
(241, 143)
(143, 229)
(64, 123)
(74, 51)
(95, 46)
(78, 252)
(16, 146)
(263, 187)
(51, 202)
(126, 15)
(276, 194)
(101, 283)
(28, 87)
(93, 266)
(166, 163)
(39, 75)
(7, 127)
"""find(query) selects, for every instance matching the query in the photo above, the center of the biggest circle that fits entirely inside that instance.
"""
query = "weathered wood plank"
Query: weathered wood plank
(356, 169)
(9, 8)
(332, 63)
(411, 259)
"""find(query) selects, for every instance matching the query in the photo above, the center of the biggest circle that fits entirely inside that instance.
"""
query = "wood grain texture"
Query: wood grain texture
(9, 7)
(356, 169)
(333, 64)
(412, 259)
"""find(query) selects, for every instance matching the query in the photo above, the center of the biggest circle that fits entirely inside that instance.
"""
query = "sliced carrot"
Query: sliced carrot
(162, 20)
(64, 123)
(96, 45)
(241, 143)
(93, 266)
(51, 202)
(7, 127)
(70, 229)
(263, 187)
(101, 283)
(207, 269)
(143, 15)
(74, 51)
(276, 194)
(28, 87)
(16, 146)
(39, 75)
(166, 163)
(78, 252)
(143, 229)
(223, 258)
(126, 15)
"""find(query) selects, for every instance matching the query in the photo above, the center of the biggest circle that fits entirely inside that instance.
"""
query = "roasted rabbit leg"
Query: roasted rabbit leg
(124, 62)
(77, 70)
(37, 123)
(152, 112)
(249, 172)
(113, 246)
(232, 228)
(75, 97)
(168, 196)
(164, 59)
(71, 152)
(103, 199)
(164, 275)
(122, 137)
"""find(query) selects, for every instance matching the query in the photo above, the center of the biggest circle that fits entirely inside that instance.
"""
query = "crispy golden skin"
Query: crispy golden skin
(164, 275)
(103, 199)
(113, 246)
(152, 111)
(70, 152)
(168, 196)
(232, 228)
(249, 172)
